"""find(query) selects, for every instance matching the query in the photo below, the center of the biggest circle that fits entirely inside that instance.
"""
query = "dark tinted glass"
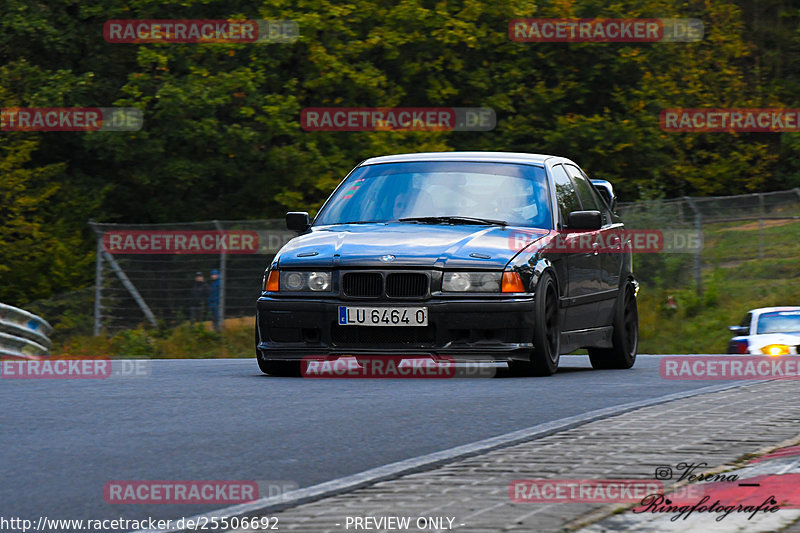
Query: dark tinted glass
(565, 193)
(585, 192)
(517, 194)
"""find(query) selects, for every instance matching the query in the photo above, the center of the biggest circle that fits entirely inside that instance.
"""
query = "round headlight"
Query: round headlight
(488, 282)
(319, 281)
(295, 281)
(459, 281)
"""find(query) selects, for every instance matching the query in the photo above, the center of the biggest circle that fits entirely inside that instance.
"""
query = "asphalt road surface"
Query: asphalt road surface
(63, 440)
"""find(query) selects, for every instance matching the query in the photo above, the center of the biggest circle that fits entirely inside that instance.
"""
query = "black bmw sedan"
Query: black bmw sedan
(458, 256)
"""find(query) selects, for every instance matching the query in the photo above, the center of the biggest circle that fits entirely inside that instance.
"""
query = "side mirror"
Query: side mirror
(607, 192)
(587, 220)
(739, 330)
(297, 221)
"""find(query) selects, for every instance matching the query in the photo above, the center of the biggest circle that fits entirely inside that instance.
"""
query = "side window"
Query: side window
(585, 192)
(565, 193)
(589, 197)
(746, 322)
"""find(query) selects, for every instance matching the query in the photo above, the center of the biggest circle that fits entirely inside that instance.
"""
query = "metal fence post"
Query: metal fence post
(760, 225)
(98, 284)
(223, 260)
(131, 288)
(698, 259)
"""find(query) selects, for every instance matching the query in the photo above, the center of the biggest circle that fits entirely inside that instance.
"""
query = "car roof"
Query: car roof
(761, 310)
(487, 157)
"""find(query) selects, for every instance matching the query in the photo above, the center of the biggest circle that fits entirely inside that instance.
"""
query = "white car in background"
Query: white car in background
(767, 331)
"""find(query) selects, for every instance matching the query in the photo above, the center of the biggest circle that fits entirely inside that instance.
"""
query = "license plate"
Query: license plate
(382, 316)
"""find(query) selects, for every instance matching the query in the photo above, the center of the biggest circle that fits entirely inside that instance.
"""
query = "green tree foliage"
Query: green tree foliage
(222, 136)
(37, 258)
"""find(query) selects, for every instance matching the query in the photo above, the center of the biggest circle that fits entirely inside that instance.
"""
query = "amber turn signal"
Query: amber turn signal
(512, 282)
(272, 282)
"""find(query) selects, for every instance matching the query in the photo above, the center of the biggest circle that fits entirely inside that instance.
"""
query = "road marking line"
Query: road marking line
(429, 461)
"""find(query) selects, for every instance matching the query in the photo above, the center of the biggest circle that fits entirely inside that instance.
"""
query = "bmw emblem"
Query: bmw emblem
(387, 258)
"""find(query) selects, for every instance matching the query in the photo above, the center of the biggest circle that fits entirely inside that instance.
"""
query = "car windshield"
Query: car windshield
(779, 322)
(442, 192)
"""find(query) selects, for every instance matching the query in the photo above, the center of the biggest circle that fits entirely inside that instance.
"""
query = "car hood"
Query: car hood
(759, 341)
(405, 245)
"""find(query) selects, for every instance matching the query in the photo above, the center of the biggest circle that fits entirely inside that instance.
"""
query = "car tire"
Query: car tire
(287, 369)
(625, 339)
(546, 333)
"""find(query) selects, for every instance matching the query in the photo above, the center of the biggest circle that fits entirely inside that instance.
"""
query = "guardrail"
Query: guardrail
(23, 335)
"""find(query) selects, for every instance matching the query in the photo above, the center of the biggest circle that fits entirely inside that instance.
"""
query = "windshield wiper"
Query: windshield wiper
(455, 220)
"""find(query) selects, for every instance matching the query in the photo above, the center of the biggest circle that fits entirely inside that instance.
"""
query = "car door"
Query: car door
(606, 283)
(581, 263)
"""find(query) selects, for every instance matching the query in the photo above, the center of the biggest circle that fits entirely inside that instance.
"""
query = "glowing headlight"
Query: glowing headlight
(471, 281)
(305, 281)
(775, 350)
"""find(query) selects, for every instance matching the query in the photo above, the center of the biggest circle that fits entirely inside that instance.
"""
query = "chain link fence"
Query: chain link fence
(70, 313)
(145, 274)
(733, 230)
(166, 274)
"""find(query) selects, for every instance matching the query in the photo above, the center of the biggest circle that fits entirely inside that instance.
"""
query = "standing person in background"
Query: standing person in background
(213, 299)
(197, 304)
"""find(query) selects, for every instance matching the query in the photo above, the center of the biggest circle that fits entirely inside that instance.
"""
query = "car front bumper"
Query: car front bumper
(460, 330)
